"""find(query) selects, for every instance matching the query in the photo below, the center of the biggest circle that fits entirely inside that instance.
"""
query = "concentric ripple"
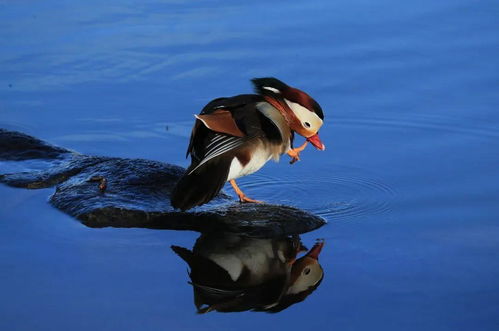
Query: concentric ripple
(334, 196)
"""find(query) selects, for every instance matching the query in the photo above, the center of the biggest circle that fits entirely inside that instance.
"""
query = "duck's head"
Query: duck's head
(302, 113)
(306, 271)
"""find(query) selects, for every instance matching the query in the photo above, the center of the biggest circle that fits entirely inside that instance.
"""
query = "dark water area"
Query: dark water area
(409, 182)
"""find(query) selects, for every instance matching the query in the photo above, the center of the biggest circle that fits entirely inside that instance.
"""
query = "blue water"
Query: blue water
(409, 182)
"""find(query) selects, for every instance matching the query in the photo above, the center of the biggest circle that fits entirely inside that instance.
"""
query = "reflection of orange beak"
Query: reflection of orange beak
(315, 140)
(315, 251)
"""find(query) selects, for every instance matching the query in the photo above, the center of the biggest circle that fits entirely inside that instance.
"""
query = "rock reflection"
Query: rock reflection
(231, 273)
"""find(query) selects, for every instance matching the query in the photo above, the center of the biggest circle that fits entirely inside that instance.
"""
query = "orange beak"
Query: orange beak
(316, 141)
(315, 251)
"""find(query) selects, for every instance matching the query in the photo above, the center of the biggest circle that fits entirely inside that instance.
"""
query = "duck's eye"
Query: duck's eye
(307, 125)
(306, 271)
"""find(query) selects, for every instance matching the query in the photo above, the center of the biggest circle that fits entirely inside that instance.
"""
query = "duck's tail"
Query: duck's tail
(201, 185)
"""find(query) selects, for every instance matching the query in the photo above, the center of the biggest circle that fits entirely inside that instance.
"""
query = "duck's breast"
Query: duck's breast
(256, 160)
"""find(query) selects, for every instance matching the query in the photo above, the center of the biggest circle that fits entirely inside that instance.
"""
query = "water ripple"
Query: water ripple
(335, 197)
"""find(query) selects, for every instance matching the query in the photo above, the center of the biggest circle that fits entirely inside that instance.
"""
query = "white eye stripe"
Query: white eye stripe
(297, 108)
(305, 115)
(273, 89)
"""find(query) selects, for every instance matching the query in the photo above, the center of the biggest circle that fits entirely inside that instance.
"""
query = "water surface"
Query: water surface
(408, 183)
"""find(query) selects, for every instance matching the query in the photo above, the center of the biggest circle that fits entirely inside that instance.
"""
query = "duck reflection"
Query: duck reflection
(231, 273)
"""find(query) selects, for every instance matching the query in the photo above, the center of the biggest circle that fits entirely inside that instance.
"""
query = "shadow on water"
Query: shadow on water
(234, 273)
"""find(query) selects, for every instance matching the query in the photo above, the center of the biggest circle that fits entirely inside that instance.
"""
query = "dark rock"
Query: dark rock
(137, 193)
(262, 220)
(60, 171)
(18, 146)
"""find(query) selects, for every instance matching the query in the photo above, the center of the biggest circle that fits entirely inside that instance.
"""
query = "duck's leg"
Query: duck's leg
(295, 152)
(242, 197)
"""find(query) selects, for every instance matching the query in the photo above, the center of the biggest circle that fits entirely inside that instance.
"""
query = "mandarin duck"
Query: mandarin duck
(235, 136)
(231, 273)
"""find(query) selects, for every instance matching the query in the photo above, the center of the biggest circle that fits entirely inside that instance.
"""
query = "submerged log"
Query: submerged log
(118, 192)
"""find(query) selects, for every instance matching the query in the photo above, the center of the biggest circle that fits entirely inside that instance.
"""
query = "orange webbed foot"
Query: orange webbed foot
(295, 153)
(242, 197)
(245, 199)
